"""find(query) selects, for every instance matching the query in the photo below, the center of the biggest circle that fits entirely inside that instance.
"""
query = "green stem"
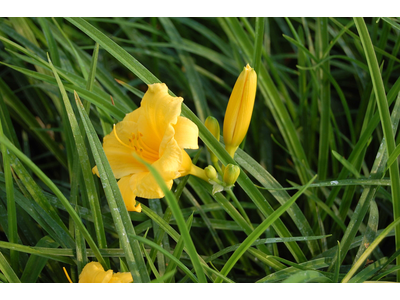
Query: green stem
(239, 206)
(217, 167)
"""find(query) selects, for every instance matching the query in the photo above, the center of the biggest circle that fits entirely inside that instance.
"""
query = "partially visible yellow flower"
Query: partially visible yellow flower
(94, 272)
(239, 110)
(157, 134)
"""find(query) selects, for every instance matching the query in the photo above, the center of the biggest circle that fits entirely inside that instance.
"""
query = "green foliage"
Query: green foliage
(324, 124)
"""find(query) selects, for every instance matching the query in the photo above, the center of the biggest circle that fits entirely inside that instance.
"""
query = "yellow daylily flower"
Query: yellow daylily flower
(156, 133)
(239, 110)
(94, 272)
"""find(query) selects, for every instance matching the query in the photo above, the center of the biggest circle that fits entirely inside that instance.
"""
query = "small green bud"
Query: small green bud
(231, 174)
(212, 124)
(211, 173)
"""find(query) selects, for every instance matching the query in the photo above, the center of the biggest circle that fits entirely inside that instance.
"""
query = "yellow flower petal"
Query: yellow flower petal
(186, 133)
(124, 277)
(186, 165)
(159, 109)
(94, 273)
(169, 166)
(128, 195)
(133, 116)
(171, 157)
(120, 155)
(95, 171)
(146, 186)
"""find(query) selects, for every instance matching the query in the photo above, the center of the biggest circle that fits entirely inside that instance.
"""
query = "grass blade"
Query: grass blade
(192, 75)
(85, 166)
(259, 230)
(35, 263)
(369, 250)
(58, 193)
(178, 250)
(173, 204)
(11, 208)
(260, 24)
(50, 41)
(281, 275)
(385, 120)
(307, 276)
(7, 270)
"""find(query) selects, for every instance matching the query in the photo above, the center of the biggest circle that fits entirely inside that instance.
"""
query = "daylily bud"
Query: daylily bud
(211, 173)
(239, 110)
(212, 125)
(231, 174)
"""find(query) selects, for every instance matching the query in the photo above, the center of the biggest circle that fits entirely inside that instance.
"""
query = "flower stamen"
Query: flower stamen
(66, 274)
(144, 151)
(143, 145)
(119, 140)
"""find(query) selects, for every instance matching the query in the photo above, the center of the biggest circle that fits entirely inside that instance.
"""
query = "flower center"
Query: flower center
(137, 144)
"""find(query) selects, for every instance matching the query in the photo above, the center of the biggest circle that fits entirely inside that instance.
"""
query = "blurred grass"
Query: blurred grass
(326, 105)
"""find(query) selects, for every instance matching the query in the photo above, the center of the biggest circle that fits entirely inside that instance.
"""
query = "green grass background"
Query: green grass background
(318, 196)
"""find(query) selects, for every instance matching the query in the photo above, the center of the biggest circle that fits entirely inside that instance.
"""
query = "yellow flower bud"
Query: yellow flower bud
(239, 110)
(212, 125)
(231, 174)
(211, 173)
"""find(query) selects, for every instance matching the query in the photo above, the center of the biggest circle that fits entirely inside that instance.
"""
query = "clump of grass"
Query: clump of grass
(315, 200)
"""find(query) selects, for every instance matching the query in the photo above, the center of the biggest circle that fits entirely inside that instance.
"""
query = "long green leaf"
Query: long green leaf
(11, 207)
(7, 270)
(193, 77)
(35, 263)
(307, 276)
(370, 248)
(172, 203)
(384, 114)
(259, 230)
(283, 274)
(84, 161)
(58, 193)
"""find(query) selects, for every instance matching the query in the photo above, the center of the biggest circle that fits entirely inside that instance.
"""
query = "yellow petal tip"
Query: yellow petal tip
(95, 171)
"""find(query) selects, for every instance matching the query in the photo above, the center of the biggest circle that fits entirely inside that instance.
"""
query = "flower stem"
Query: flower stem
(239, 206)
(231, 150)
(218, 168)
(198, 172)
